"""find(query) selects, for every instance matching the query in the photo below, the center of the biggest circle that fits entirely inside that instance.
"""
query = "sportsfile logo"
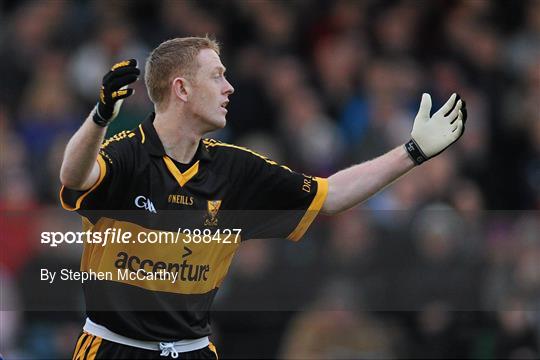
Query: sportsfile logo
(143, 203)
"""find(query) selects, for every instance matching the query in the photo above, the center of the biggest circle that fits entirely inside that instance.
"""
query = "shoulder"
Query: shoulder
(119, 140)
(124, 147)
(221, 149)
(124, 139)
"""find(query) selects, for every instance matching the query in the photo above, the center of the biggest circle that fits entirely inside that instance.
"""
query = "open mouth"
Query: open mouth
(224, 104)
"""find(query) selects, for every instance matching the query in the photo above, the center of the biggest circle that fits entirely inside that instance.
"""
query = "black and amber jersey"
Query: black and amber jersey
(227, 191)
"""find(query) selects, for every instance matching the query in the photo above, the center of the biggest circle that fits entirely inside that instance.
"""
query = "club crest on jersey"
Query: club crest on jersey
(213, 209)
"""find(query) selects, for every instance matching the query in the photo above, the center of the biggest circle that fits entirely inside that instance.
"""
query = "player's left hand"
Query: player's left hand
(431, 135)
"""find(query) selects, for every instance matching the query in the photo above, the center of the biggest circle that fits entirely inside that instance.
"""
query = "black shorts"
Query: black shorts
(90, 347)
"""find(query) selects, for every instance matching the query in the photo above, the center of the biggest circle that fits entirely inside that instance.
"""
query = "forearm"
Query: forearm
(351, 186)
(79, 168)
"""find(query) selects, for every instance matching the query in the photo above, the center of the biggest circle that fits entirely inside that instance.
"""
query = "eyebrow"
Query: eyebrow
(220, 68)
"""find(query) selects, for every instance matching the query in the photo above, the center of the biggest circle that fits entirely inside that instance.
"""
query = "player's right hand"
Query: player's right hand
(114, 90)
(432, 134)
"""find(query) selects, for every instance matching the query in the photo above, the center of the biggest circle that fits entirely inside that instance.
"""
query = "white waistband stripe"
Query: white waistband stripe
(181, 346)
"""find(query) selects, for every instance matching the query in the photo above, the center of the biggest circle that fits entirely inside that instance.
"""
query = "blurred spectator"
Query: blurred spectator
(523, 49)
(30, 34)
(515, 336)
(251, 109)
(514, 264)
(345, 17)
(18, 200)
(186, 18)
(311, 138)
(10, 319)
(441, 273)
(319, 86)
(352, 253)
(50, 111)
(378, 117)
(395, 29)
(249, 301)
(273, 23)
(338, 62)
(332, 329)
(114, 41)
(438, 334)
(52, 319)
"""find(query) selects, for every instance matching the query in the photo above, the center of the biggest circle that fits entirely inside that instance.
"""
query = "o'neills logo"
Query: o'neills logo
(180, 200)
(131, 267)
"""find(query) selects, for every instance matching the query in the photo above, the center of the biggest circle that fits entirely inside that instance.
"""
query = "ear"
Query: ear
(181, 88)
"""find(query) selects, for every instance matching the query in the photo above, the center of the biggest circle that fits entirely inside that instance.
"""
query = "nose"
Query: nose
(228, 88)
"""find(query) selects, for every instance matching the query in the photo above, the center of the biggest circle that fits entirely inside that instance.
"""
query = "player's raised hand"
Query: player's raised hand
(431, 135)
(114, 90)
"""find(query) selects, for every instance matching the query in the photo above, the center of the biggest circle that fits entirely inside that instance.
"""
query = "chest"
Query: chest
(157, 197)
(155, 187)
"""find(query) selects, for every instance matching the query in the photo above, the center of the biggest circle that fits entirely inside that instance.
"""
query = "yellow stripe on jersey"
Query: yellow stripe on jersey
(213, 349)
(312, 211)
(80, 354)
(118, 137)
(102, 173)
(79, 342)
(143, 137)
(94, 348)
(212, 143)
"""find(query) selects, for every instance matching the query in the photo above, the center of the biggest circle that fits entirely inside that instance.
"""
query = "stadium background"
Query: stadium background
(442, 264)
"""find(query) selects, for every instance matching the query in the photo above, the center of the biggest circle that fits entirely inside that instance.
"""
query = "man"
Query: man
(138, 180)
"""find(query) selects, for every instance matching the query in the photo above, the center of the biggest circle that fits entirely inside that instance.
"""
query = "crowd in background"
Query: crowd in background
(444, 263)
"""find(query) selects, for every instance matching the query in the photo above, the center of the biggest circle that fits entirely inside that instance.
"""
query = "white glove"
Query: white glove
(431, 135)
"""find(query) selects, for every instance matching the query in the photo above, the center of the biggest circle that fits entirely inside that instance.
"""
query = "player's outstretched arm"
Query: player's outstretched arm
(80, 170)
(430, 136)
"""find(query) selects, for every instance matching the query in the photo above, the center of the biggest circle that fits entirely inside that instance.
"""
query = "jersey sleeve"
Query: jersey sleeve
(115, 160)
(283, 203)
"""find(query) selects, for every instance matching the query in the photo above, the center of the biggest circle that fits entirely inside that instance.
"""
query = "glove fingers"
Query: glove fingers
(114, 89)
(425, 106)
(449, 105)
(122, 94)
(124, 63)
(464, 111)
(455, 123)
(453, 106)
(458, 129)
(124, 71)
(116, 84)
(111, 75)
(453, 115)
(458, 117)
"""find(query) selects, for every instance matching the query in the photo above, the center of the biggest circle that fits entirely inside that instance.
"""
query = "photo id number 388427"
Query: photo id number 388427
(207, 236)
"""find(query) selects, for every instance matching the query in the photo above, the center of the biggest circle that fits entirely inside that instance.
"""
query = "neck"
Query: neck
(179, 136)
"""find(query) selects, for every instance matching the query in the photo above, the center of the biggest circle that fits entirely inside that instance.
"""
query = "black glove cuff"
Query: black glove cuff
(415, 153)
(98, 119)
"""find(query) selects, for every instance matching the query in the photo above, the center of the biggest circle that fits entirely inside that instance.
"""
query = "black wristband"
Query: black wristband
(98, 119)
(415, 153)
